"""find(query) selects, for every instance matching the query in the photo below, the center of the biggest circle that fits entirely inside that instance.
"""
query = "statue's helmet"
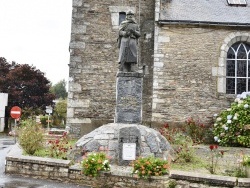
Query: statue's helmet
(130, 12)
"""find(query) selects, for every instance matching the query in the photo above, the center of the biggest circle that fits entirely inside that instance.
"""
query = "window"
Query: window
(122, 17)
(238, 68)
(237, 2)
(118, 14)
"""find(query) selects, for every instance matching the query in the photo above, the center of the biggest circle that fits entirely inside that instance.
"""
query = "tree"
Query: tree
(59, 89)
(27, 87)
(60, 112)
(4, 70)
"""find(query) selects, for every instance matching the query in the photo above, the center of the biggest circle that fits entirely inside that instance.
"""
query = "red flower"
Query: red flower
(166, 126)
(202, 125)
(211, 147)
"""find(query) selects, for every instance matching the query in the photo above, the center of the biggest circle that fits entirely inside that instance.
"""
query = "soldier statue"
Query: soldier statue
(127, 42)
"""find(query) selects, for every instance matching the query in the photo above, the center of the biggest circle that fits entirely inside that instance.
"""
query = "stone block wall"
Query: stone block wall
(37, 166)
(185, 84)
(93, 61)
(62, 171)
(119, 176)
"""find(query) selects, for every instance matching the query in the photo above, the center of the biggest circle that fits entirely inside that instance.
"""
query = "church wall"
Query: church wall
(184, 83)
(93, 61)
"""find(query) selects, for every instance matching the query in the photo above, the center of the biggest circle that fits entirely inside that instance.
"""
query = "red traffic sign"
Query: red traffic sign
(15, 112)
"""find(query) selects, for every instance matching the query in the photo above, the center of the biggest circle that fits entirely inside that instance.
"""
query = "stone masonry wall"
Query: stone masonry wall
(119, 176)
(184, 83)
(61, 170)
(93, 61)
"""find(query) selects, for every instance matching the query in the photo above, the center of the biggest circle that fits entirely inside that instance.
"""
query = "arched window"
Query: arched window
(238, 68)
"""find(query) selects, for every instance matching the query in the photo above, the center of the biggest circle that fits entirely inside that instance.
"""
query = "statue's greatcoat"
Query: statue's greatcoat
(128, 41)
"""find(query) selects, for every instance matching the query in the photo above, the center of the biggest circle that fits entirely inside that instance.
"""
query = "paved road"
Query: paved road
(10, 181)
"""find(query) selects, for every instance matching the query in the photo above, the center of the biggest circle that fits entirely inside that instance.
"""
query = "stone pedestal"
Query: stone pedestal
(126, 139)
(129, 97)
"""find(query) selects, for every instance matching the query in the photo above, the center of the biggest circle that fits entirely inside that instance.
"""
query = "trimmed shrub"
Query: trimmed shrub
(30, 137)
(232, 126)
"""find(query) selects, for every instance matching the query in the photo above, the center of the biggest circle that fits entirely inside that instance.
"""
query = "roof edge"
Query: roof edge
(190, 22)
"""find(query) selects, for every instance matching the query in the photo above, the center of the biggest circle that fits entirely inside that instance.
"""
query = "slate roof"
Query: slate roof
(206, 11)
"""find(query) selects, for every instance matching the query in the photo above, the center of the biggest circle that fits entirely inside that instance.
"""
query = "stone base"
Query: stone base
(111, 137)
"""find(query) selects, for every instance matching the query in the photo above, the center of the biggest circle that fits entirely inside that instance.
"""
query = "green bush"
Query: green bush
(43, 120)
(246, 160)
(150, 166)
(170, 133)
(183, 148)
(30, 137)
(194, 129)
(232, 126)
(181, 142)
(94, 163)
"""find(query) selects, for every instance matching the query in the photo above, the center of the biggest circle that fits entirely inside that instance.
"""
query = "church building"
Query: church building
(195, 55)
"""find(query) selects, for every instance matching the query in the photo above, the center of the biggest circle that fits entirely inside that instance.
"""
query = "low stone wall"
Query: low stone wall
(112, 180)
(16, 163)
(62, 170)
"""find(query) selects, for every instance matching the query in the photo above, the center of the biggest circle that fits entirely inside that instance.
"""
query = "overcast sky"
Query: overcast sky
(37, 32)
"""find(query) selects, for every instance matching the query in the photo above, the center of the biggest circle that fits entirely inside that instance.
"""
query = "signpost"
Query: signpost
(48, 111)
(38, 120)
(15, 113)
